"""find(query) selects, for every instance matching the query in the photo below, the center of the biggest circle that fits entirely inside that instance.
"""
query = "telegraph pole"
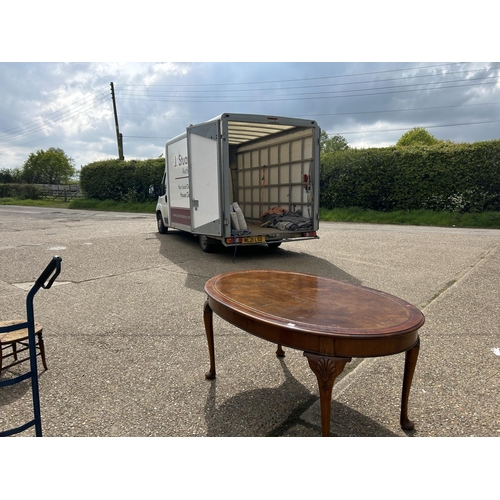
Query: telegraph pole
(119, 137)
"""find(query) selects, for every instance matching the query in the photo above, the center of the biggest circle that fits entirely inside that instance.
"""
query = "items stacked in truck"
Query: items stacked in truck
(238, 223)
(284, 220)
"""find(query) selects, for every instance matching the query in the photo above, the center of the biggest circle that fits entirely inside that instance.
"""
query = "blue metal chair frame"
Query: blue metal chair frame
(45, 281)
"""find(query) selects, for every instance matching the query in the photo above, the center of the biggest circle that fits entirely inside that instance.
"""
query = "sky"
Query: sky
(53, 96)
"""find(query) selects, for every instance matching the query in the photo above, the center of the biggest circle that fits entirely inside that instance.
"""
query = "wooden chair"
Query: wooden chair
(15, 342)
(28, 334)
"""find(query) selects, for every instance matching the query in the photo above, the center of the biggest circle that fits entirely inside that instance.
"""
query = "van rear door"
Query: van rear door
(205, 178)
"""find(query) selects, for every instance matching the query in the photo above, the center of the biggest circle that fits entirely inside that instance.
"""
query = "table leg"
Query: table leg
(209, 330)
(280, 352)
(326, 369)
(410, 364)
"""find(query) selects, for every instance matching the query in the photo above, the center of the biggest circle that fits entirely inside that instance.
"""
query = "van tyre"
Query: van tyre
(206, 243)
(162, 229)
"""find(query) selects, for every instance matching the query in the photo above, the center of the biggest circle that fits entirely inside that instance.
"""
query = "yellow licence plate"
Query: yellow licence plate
(253, 239)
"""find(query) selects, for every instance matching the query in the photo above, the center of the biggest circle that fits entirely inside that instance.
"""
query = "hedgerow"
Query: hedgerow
(121, 180)
(20, 191)
(452, 177)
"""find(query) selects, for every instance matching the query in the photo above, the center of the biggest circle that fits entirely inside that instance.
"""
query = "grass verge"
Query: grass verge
(85, 204)
(488, 220)
(147, 207)
(35, 203)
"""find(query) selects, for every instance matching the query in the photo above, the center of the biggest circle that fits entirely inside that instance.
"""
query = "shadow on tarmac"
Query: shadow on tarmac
(183, 250)
(20, 391)
(274, 412)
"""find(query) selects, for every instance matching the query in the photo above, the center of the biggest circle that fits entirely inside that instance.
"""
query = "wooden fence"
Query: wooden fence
(61, 191)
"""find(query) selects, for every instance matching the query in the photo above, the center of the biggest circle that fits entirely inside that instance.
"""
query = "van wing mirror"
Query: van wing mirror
(154, 191)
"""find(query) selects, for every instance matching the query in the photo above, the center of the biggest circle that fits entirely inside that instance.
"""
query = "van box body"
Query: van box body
(262, 168)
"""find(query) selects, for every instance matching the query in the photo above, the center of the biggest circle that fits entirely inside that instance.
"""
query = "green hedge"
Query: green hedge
(20, 191)
(121, 180)
(453, 177)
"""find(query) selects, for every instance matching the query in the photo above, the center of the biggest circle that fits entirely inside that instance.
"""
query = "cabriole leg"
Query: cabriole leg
(410, 364)
(209, 330)
(326, 369)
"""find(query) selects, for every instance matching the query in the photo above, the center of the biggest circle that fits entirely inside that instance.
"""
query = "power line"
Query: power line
(180, 96)
(127, 91)
(78, 107)
(302, 79)
(55, 112)
(41, 127)
(274, 99)
(143, 137)
(421, 126)
(59, 133)
(426, 108)
(331, 134)
(349, 113)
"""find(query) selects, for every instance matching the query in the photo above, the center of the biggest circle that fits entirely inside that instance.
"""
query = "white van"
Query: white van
(242, 179)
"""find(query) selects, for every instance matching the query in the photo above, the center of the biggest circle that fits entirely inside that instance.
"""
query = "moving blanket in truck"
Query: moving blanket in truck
(286, 221)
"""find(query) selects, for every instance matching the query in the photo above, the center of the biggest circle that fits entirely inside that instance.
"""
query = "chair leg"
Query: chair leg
(41, 345)
(14, 350)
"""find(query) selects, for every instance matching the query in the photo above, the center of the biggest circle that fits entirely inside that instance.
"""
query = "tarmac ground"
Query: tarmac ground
(127, 353)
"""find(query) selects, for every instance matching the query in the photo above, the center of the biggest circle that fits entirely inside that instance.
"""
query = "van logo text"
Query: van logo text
(180, 161)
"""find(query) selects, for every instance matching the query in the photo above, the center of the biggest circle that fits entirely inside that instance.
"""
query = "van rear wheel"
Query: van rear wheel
(162, 229)
(206, 243)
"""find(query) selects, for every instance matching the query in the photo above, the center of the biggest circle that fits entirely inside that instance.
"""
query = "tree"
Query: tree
(417, 136)
(10, 175)
(48, 167)
(334, 143)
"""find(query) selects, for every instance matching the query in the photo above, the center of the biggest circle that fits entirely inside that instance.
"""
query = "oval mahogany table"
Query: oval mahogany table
(330, 321)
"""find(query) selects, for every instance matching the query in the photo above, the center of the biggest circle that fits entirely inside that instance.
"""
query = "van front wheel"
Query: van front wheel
(162, 229)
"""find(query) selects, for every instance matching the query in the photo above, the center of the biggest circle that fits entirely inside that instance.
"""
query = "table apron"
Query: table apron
(374, 347)
(329, 345)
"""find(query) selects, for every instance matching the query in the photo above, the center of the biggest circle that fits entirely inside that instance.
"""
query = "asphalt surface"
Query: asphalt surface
(126, 346)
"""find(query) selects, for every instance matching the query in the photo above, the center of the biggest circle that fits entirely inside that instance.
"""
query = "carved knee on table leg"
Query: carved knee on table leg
(326, 369)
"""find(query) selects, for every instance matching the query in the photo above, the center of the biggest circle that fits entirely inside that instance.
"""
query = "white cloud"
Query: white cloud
(68, 105)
